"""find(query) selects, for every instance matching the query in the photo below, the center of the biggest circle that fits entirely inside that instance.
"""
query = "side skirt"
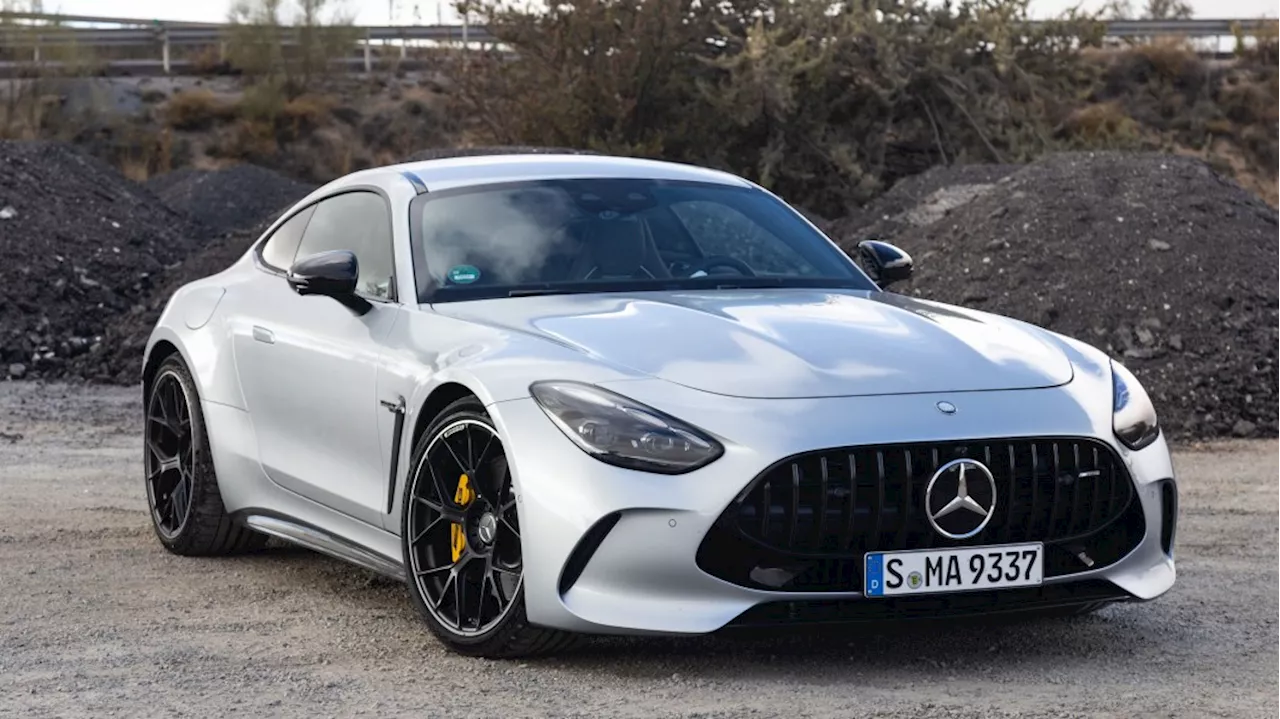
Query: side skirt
(325, 543)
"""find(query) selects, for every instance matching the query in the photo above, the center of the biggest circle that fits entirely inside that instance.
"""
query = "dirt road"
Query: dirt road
(97, 620)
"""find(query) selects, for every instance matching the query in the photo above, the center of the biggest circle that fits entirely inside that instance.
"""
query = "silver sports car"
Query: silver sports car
(560, 395)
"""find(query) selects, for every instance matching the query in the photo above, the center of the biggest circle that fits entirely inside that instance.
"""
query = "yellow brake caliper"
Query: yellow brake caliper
(457, 534)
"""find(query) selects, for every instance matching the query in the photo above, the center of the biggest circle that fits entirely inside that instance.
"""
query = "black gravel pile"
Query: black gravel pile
(80, 246)
(918, 199)
(1156, 259)
(233, 198)
(119, 358)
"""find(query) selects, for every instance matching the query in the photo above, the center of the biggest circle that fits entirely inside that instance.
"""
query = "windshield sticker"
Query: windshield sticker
(464, 274)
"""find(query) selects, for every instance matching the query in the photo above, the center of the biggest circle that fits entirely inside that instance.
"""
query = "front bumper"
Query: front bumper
(609, 550)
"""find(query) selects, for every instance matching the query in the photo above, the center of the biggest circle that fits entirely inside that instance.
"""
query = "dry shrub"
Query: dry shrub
(305, 113)
(825, 101)
(197, 109)
(1101, 124)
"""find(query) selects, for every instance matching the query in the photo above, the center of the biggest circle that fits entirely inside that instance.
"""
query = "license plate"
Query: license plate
(927, 571)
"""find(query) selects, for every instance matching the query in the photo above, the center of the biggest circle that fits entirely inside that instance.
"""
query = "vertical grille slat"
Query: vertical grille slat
(820, 527)
(1055, 504)
(873, 539)
(793, 518)
(766, 509)
(1035, 490)
(1076, 492)
(851, 521)
(1011, 494)
(848, 501)
(904, 514)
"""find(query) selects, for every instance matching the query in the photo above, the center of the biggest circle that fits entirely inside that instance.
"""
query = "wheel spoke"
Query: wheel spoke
(465, 469)
(484, 579)
(457, 600)
(427, 528)
(444, 591)
(510, 526)
(446, 511)
(485, 450)
(471, 450)
(154, 447)
(433, 571)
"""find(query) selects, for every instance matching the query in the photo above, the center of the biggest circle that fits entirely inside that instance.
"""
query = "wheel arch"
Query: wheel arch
(440, 397)
(160, 351)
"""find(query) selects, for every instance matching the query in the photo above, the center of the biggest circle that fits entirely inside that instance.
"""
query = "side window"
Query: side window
(721, 230)
(360, 222)
(282, 245)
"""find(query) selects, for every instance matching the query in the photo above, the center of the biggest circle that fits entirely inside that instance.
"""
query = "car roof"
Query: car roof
(454, 172)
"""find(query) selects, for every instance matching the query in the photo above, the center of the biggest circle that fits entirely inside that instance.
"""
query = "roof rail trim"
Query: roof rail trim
(418, 185)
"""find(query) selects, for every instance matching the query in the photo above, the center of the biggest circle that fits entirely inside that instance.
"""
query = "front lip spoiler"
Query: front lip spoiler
(923, 608)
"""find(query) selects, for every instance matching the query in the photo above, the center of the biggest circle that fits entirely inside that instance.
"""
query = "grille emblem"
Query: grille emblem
(946, 407)
(960, 498)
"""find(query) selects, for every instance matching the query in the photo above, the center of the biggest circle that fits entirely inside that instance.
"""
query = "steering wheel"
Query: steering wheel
(733, 263)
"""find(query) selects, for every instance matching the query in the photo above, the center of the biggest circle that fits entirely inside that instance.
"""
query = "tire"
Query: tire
(447, 456)
(185, 504)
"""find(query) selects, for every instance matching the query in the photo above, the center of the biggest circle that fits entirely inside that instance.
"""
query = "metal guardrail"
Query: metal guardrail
(35, 30)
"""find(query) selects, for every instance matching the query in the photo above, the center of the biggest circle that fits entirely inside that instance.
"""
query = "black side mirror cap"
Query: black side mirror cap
(331, 274)
(885, 263)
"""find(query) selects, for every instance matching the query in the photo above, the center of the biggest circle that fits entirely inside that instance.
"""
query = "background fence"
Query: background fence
(26, 38)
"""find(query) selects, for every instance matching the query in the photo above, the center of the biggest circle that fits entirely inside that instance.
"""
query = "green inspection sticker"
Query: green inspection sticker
(464, 274)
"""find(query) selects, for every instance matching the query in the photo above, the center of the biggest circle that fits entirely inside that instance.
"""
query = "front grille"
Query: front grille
(805, 523)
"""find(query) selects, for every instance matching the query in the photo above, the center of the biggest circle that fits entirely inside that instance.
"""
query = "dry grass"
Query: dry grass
(198, 109)
(1102, 124)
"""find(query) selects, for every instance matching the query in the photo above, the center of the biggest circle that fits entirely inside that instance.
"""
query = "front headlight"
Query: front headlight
(623, 432)
(1133, 416)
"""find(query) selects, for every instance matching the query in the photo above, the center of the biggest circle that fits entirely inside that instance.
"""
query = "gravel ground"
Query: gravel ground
(97, 620)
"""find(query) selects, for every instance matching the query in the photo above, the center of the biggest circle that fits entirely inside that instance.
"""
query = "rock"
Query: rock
(1175, 342)
(17, 370)
(1160, 245)
(8, 213)
(1244, 428)
(1145, 336)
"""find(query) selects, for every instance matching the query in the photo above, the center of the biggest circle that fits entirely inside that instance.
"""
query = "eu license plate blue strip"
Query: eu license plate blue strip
(873, 584)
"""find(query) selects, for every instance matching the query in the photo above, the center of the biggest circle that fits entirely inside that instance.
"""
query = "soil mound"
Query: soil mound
(80, 246)
(233, 198)
(1154, 258)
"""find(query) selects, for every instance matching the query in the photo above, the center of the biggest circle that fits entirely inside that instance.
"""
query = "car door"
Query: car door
(309, 365)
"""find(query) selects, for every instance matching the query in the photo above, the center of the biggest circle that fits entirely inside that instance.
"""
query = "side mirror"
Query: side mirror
(885, 263)
(332, 274)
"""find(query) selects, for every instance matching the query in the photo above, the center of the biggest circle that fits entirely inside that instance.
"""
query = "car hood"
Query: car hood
(781, 343)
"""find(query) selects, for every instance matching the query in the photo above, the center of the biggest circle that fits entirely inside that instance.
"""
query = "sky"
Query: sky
(402, 12)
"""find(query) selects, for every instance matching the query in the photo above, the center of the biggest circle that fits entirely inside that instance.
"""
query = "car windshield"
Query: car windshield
(615, 235)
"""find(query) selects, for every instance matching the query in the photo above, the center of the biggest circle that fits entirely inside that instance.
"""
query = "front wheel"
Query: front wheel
(461, 540)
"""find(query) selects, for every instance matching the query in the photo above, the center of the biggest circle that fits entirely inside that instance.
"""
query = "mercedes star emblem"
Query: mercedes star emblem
(960, 498)
(487, 529)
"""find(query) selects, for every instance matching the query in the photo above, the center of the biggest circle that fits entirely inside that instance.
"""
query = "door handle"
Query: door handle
(262, 334)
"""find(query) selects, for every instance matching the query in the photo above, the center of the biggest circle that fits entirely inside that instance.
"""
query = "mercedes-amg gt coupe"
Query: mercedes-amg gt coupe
(560, 395)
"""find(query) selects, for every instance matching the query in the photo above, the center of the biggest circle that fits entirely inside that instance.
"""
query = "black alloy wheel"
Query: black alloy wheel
(462, 541)
(170, 457)
(182, 487)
